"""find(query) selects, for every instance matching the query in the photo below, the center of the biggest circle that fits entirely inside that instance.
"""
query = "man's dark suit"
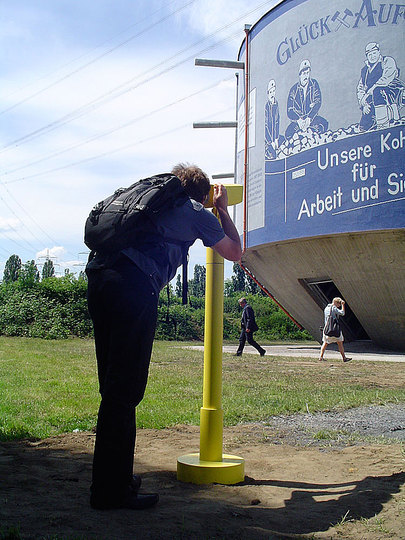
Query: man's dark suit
(248, 322)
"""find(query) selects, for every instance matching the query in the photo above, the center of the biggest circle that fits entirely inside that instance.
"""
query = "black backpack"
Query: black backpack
(122, 219)
(332, 326)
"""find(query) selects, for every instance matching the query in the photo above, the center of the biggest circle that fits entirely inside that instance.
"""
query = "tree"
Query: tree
(251, 286)
(238, 278)
(197, 284)
(168, 291)
(179, 287)
(48, 270)
(228, 287)
(12, 269)
(82, 276)
(29, 274)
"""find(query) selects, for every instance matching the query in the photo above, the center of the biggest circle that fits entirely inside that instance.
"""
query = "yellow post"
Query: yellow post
(211, 415)
(210, 464)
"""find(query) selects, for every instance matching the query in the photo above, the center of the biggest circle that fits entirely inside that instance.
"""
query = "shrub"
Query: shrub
(56, 308)
(52, 309)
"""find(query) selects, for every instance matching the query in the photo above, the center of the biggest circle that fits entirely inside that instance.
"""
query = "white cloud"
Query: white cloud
(52, 253)
(8, 224)
(54, 206)
(225, 17)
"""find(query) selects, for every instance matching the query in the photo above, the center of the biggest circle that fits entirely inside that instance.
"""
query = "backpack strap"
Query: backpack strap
(184, 288)
(184, 261)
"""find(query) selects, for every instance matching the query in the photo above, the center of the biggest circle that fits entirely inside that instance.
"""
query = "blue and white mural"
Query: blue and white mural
(303, 104)
(380, 91)
(327, 153)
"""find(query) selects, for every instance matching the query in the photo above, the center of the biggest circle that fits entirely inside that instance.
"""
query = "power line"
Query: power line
(42, 242)
(10, 226)
(14, 241)
(84, 66)
(115, 129)
(104, 154)
(72, 61)
(28, 215)
(20, 221)
(6, 251)
(106, 97)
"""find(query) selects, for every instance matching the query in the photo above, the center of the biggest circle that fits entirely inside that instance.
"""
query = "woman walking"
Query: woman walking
(334, 310)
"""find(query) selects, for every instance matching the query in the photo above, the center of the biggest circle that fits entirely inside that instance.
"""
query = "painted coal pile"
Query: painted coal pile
(301, 140)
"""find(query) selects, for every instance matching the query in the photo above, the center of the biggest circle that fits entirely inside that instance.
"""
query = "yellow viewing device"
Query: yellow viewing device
(235, 194)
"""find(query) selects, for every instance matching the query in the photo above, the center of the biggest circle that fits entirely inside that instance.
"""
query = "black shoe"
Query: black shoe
(133, 501)
(346, 359)
(263, 352)
(135, 483)
(238, 354)
(140, 501)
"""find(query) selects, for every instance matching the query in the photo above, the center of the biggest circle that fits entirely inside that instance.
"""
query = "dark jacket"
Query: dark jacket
(248, 321)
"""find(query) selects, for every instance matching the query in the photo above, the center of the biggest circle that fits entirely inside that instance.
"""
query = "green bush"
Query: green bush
(56, 308)
(178, 323)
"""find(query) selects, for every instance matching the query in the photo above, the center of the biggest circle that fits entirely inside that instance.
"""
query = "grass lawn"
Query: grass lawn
(50, 387)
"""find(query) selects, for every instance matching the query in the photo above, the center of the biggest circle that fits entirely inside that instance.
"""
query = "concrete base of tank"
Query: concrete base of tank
(367, 269)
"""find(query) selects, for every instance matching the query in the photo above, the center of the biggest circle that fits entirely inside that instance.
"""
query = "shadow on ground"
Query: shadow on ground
(287, 491)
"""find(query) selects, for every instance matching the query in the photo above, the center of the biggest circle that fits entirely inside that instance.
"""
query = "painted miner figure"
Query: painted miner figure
(380, 92)
(303, 104)
(272, 137)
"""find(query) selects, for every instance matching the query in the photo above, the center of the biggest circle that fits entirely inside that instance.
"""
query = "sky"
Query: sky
(96, 95)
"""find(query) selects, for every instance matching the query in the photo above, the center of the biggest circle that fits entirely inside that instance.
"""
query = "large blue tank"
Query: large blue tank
(324, 213)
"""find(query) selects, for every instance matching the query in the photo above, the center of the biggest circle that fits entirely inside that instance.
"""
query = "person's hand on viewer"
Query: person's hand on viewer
(220, 197)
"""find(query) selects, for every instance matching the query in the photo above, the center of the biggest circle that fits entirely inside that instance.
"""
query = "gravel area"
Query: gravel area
(386, 423)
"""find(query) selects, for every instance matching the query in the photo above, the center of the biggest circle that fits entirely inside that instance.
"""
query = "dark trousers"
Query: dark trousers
(123, 307)
(249, 336)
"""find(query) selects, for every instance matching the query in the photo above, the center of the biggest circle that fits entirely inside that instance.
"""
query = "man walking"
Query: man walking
(123, 291)
(248, 327)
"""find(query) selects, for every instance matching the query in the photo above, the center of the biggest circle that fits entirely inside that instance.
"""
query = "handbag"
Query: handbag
(332, 327)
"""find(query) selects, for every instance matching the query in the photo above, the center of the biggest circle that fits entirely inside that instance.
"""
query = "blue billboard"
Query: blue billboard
(326, 120)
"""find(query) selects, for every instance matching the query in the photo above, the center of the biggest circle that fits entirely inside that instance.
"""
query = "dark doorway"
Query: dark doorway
(323, 292)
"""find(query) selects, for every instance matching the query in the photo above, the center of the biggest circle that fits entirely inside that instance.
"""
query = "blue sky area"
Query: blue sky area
(95, 95)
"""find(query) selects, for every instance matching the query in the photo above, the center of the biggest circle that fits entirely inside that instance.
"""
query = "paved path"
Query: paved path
(359, 350)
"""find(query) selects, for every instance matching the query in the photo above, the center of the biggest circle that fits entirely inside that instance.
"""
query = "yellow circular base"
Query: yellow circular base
(231, 470)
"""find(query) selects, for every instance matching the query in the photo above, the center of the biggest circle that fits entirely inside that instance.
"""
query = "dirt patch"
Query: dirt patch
(297, 485)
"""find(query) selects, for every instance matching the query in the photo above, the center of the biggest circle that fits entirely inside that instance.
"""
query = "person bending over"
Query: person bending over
(123, 292)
